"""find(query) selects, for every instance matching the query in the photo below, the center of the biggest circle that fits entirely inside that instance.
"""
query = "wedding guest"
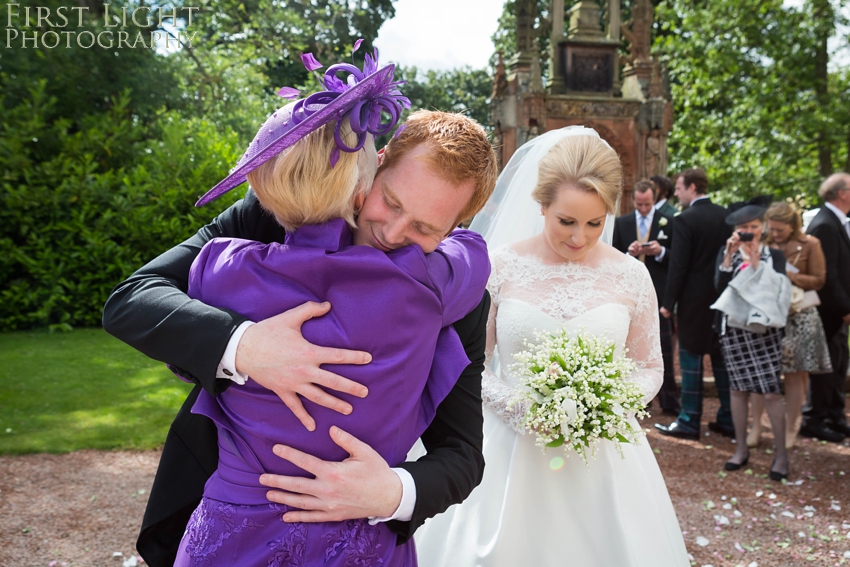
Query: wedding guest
(647, 235)
(804, 348)
(824, 417)
(753, 308)
(311, 173)
(151, 311)
(664, 190)
(700, 230)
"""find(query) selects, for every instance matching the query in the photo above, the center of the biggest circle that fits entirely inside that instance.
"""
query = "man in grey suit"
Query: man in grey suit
(823, 417)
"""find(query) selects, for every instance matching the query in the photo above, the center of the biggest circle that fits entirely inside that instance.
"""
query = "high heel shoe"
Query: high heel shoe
(776, 475)
(730, 466)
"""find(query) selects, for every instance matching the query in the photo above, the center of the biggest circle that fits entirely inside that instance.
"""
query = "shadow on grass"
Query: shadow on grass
(84, 389)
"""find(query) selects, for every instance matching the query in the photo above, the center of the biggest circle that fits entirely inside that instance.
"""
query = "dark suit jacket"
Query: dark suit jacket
(151, 312)
(625, 232)
(700, 231)
(835, 294)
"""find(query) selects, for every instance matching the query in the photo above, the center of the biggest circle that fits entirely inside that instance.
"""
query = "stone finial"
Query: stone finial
(500, 79)
(536, 83)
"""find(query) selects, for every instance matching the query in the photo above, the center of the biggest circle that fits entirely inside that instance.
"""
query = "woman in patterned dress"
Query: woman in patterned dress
(753, 359)
(804, 349)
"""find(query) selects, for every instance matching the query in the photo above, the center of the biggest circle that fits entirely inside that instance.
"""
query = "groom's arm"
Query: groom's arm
(454, 464)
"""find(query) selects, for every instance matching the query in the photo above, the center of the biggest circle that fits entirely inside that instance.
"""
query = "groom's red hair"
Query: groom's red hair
(459, 152)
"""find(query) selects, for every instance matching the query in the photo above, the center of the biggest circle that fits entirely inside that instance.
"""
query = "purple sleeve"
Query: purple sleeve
(459, 269)
(215, 254)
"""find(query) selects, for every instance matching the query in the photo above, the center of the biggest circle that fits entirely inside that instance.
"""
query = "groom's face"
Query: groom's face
(410, 204)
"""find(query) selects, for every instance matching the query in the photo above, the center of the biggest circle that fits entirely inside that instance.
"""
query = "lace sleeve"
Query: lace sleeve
(644, 339)
(496, 395)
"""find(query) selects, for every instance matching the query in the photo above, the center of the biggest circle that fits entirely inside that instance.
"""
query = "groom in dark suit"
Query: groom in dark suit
(151, 312)
(647, 234)
(701, 231)
(824, 416)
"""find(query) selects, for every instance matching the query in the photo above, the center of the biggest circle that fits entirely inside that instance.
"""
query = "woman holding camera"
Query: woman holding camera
(752, 311)
(804, 349)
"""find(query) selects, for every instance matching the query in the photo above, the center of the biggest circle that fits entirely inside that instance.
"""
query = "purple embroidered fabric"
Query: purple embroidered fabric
(226, 534)
(397, 306)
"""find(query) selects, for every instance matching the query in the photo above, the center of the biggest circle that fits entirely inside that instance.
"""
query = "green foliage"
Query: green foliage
(754, 103)
(77, 222)
(463, 90)
(82, 390)
(103, 152)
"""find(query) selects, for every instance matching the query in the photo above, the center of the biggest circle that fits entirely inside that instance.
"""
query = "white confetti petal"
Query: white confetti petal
(835, 507)
(739, 547)
(788, 514)
(753, 564)
(702, 541)
(131, 562)
(737, 513)
(771, 496)
(801, 534)
(847, 555)
(727, 506)
(759, 493)
(117, 554)
(721, 519)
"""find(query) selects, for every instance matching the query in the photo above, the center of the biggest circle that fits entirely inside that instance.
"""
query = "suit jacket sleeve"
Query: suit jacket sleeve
(454, 464)
(680, 260)
(150, 308)
(832, 293)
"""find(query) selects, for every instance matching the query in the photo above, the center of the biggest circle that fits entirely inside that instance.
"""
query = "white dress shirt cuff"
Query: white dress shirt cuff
(404, 512)
(227, 366)
(660, 256)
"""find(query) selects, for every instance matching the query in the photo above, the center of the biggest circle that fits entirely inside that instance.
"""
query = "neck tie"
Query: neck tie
(643, 227)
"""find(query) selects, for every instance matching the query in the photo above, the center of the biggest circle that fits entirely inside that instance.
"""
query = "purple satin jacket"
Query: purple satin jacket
(396, 306)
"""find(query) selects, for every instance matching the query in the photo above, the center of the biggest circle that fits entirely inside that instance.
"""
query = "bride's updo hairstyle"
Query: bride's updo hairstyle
(300, 187)
(584, 162)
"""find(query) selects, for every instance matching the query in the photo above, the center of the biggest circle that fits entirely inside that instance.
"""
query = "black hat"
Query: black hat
(746, 211)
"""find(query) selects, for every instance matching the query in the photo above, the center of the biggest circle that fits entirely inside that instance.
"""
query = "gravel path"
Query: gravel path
(80, 508)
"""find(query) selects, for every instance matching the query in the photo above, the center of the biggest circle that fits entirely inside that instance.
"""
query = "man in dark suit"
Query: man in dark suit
(701, 231)
(663, 192)
(824, 416)
(151, 312)
(647, 235)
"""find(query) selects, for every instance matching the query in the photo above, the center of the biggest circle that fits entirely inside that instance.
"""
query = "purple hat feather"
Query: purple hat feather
(364, 97)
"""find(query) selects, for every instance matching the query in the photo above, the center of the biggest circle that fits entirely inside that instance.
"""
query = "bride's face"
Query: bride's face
(573, 223)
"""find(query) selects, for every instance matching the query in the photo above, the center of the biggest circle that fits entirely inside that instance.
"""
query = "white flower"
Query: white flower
(662, 221)
(569, 407)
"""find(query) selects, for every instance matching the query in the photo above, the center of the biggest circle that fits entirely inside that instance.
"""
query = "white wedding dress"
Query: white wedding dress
(547, 509)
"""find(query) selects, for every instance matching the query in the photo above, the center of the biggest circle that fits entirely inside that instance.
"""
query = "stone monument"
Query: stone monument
(625, 100)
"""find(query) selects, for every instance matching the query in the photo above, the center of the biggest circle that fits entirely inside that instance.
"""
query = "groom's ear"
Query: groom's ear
(381, 156)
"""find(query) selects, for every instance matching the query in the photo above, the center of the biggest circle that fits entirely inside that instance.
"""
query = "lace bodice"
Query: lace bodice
(614, 297)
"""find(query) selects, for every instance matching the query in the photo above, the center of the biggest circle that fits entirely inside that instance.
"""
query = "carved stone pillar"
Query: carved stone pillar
(556, 80)
(614, 35)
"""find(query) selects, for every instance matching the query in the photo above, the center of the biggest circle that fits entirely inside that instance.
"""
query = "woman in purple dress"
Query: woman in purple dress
(396, 305)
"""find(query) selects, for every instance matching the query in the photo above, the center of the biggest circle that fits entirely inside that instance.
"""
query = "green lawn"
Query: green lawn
(84, 389)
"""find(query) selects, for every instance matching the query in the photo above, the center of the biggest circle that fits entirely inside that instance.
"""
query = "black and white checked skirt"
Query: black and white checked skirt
(753, 360)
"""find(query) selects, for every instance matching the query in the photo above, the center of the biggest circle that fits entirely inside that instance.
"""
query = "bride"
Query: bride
(550, 271)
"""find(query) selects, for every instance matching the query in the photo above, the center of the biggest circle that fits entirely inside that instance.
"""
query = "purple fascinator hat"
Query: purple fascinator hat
(364, 96)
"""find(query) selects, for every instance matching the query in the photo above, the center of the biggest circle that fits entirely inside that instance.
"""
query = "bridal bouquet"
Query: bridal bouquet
(578, 392)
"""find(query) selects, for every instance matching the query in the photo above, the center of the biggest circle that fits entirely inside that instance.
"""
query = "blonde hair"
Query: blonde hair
(459, 152)
(783, 212)
(585, 162)
(300, 187)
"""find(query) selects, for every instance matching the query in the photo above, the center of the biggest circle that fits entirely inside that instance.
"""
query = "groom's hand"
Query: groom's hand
(361, 486)
(275, 355)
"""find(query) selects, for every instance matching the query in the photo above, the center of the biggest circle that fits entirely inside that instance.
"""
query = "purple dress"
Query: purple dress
(397, 306)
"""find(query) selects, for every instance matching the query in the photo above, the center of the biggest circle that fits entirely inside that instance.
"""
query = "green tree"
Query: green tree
(756, 103)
